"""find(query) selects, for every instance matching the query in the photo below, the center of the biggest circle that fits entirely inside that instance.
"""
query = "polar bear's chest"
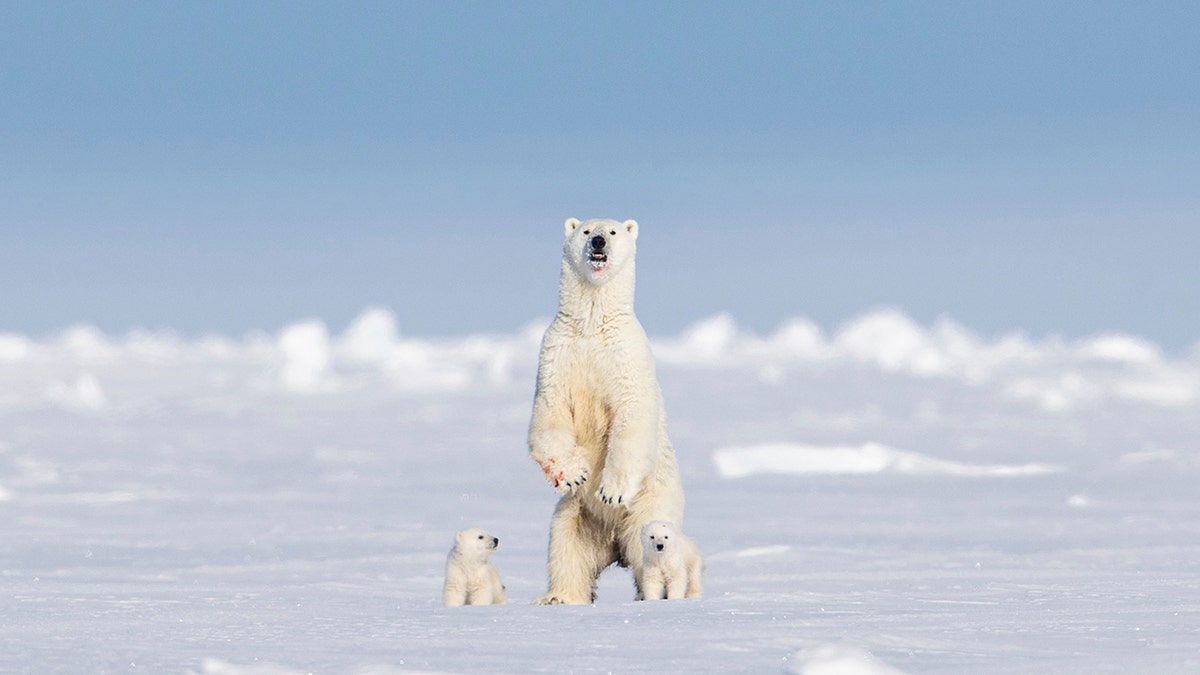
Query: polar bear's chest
(593, 390)
(592, 369)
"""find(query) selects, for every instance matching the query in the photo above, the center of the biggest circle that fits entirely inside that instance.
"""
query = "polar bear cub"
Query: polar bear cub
(671, 566)
(471, 579)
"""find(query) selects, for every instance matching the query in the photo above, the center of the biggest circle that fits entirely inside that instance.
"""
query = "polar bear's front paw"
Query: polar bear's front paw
(566, 476)
(616, 489)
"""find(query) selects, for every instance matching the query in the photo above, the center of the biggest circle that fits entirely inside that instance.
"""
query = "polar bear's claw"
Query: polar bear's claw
(565, 476)
(610, 499)
(616, 489)
(567, 485)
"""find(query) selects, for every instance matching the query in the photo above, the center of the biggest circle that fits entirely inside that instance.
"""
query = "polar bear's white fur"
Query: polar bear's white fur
(671, 566)
(598, 428)
(471, 579)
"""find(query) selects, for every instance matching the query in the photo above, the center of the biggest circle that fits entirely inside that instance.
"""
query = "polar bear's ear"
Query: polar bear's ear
(458, 537)
(570, 225)
(631, 227)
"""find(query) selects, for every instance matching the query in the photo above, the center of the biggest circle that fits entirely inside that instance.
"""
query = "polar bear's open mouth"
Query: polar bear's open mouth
(596, 252)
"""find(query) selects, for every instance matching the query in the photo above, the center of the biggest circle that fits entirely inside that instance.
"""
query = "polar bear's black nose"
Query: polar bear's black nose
(658, 546)
(495, 542)
(598, 243)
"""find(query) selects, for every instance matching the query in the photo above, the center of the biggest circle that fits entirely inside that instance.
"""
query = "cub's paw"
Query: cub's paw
(616, 490)
(566, 475)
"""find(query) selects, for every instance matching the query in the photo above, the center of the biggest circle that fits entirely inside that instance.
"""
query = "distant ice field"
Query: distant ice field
(885, 497)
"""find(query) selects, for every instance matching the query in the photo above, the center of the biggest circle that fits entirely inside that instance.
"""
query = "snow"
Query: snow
(800, 459)
(839, 660)
(885, 497)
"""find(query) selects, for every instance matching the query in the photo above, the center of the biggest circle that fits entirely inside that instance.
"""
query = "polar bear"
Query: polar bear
(471, 579)
(671, 566)
(598, 429)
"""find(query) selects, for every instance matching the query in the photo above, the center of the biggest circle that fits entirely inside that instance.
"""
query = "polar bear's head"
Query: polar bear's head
(656, 538)
(475, 543)
(598, 250)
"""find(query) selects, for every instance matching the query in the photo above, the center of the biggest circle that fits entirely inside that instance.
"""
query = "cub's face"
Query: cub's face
(599, 249)
(475, 543)
(657, 537)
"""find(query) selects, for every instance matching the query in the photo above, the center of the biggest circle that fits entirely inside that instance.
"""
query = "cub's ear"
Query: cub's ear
(458, 538)
(570, 225)
(631, 227)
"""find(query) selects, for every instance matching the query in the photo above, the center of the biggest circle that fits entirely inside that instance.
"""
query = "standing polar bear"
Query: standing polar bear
(598, 428)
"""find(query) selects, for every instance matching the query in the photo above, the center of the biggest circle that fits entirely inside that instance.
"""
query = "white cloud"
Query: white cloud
(371, 338)
(84, 370)
(305, 353)
(86, 344)
(1120, 349)
(893, 342)
(14, 347)
(84, 394)
(1055, 394)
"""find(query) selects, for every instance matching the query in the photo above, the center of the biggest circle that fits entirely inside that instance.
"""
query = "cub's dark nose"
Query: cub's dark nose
(495, 541)
(598, 243)
(658, 546)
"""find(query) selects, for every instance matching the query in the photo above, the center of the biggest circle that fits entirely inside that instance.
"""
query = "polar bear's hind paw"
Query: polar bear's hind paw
(556, 599)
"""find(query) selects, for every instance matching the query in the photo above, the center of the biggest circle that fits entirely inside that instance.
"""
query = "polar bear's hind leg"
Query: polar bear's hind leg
(579, 551)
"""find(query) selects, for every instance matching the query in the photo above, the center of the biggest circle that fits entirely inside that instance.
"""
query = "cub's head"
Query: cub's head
(657, 537)
(599, 249)
(475, 543)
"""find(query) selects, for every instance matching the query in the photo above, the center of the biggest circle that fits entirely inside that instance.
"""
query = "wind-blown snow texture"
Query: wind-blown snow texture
(890, 497)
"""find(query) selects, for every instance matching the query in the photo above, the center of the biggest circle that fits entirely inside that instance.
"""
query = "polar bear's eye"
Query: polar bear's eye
(587, 231)
(613, 232)
(481, 536)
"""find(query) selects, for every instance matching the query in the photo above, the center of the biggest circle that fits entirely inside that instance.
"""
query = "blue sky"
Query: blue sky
(222, 166)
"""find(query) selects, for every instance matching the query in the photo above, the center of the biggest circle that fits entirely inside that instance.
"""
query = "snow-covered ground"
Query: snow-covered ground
(887, 497)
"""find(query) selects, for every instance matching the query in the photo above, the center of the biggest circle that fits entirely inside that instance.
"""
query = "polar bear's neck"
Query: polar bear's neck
(589, 306)
(469, 558)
